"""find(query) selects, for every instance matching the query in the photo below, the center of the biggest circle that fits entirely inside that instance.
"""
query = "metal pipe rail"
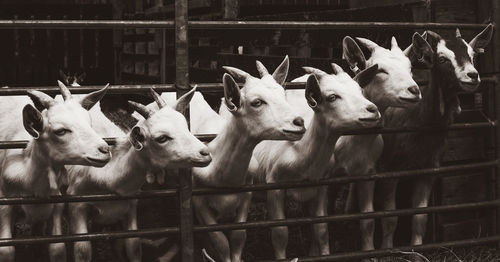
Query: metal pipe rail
(209, 137)
(144, 89)
(199, 25)
(399, 251)
(442, 171)
(246, 225)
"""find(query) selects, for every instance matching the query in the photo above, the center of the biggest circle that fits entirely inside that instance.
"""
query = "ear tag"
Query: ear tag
(312, 104)
(480, 50)
(232, 108)
(355, 69)
(37, 135)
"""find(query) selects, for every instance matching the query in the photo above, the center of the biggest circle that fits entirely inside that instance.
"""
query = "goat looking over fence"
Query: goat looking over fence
(338, 105)
(256, 112)
(393, 86)
(453, 71)
(161, 140)
(60, 134)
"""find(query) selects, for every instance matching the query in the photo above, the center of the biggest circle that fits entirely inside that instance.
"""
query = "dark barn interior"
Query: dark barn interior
(34, 58)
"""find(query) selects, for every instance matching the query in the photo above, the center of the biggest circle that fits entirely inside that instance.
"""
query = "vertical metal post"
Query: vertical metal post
(182, 84)
(496, 55)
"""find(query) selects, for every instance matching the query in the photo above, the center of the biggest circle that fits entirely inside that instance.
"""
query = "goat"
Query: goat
(60, 134)
(392, 87)
(338, 105)
(161, 140)
(72, 78)
(256, 112)
(453, 71)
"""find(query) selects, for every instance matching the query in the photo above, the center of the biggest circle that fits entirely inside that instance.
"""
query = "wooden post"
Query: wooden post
(182, 84)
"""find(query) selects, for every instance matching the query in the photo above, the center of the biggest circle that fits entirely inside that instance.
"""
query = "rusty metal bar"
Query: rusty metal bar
(442, 171)
(181, 85)
(117, 24)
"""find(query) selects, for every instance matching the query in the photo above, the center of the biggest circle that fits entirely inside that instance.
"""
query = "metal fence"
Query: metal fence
(186, 229)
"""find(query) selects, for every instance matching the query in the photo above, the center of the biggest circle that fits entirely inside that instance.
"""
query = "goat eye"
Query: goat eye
(61, 132)
(382, 71)
(442, 59)
(163, 139)
(257, 103)
(332, 98)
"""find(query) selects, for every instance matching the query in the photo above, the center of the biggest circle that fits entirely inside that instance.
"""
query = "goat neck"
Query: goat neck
(231, 153)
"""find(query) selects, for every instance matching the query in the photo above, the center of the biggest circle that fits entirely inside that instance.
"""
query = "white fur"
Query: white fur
(126, 173)
(38, 170)
(309, 157)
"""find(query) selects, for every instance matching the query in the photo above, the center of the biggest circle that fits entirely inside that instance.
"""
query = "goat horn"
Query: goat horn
(66, 94)
(161, 103)
(458, 34)
(261, 68)
(237, 73)
(316, 72)
(141, 109)
(367, 43)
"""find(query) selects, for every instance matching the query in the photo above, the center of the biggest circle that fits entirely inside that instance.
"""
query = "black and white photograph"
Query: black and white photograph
(249, 130)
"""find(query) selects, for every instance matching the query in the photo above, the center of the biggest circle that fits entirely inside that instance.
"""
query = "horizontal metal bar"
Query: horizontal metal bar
(27, 200)
(349, 179)
(116, 24)
(345, 217)
(356, 255)
(209, 137)
(89, 237)
(448, 171)
(247, 225)
(133, 89)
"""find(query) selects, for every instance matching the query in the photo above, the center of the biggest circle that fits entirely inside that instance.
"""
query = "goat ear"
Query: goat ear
(394, 44)
(313, 92)
(352, 54)
(420, 52)
(480, 42)
(183, 101)
(91, 99)
(32, 121)
(366, 76)
(63, 77)
(41, 100)
(432, 38)
(281, 71)
(137, 137)
(81, 77)
(232, 93)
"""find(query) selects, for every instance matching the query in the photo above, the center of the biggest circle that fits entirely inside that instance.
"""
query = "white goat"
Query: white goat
(338, 104)
(161, 140)
(392, 86)
(60, 134)
(256, 112)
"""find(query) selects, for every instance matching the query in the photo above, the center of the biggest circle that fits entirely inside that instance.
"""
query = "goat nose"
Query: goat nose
(204, 152)
(414, 90)
(104, 149)
(372, 108)
(473, 75)
(298, 121)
